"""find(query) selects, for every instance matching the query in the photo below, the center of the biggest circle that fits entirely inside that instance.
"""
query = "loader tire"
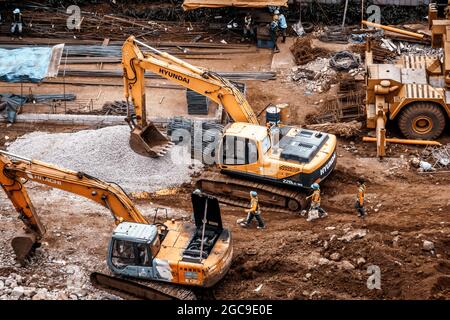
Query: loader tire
(422, 120)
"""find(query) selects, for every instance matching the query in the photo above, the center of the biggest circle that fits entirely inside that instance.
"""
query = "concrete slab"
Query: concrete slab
(283, 59)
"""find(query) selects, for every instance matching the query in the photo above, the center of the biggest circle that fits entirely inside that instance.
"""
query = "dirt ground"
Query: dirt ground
(291, 258)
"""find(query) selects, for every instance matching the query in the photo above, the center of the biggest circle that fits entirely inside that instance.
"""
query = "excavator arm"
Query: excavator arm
(16, 171)
(204, 82)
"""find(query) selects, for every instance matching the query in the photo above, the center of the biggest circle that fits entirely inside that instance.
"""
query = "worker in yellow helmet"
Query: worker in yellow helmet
(315, 210)
(359, 205)
(252, 212)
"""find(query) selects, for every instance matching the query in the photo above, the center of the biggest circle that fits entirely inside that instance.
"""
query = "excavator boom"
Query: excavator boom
(145, 137)
(15, 171)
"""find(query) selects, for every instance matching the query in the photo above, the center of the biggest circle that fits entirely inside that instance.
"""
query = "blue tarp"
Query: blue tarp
(24, 64)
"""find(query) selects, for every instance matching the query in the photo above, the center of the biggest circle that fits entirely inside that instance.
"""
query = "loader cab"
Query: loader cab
(132, 249)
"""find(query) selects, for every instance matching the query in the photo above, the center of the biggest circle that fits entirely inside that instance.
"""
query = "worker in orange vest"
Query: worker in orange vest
(315, 210)
(253, 212)
(359, 205)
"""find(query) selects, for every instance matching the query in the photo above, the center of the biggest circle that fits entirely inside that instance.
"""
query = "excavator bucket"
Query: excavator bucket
(149, 141)
(24, 246)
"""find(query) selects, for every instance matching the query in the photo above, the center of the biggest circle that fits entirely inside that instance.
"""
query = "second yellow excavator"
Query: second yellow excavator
(268, 158)
(176, 252)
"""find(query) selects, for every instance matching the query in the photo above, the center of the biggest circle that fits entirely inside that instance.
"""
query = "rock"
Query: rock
(394, 233)
(308, 275)
(427, 245)
(352, 235)
(29, 292)
(10, 283)
(360, 261)
(73, 296)
(395, 241)
(346, 265)
(2, 285)
(335, 256)
(17, 293)
(62, 296)
(81, 292)
(324, 261)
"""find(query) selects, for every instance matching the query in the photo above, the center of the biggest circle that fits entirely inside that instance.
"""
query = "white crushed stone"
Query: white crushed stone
(105, 153)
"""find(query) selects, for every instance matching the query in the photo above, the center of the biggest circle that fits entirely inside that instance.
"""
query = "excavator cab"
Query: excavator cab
(133, 248)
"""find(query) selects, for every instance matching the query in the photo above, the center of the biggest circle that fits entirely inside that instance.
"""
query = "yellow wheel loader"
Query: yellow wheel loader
(413, 91)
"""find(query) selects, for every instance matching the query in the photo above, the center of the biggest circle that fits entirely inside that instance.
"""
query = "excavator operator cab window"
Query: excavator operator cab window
(265, 144)
(239, 150)
(127, 253)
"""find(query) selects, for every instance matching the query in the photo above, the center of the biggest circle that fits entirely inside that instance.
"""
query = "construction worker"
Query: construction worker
(359, 205)
(252, 212)
(248, 27)
(273, 29)
(315, 210)
(282, 24)
(16, 25)
(272, 9)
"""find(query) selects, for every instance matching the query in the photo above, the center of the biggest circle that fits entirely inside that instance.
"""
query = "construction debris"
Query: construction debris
(347, 105)
(344, 61)
(316, 75)
(344, 129)
(304, 52)
(433, 158)
(244, 75)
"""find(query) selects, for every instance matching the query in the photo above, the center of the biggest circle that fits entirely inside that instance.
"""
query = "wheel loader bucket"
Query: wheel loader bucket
(24, 246)
(149, 141)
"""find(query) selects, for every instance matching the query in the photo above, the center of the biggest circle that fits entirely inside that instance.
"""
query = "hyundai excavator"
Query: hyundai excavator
(280, 162)
(182, 254)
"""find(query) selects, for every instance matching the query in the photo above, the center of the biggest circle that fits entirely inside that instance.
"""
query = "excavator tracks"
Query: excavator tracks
(140, 289)
(235, 191)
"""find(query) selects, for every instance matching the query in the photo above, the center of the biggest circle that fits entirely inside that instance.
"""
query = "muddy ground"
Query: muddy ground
(291, 258)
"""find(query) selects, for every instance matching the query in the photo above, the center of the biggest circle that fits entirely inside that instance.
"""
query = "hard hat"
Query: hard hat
(16, 10)
(253, 193)
(276, 12)
(197, 191)
(315, 186)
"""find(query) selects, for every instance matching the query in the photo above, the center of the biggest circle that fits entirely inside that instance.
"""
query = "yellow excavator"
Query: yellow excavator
(180, 253)
(266, 159)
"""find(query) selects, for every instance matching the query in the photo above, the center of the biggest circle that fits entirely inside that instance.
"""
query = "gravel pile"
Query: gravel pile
(105, 154)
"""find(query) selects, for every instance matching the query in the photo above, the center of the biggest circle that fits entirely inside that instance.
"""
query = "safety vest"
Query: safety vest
(316, 196)
(361, 193)
(254, 204)
(17, 17)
